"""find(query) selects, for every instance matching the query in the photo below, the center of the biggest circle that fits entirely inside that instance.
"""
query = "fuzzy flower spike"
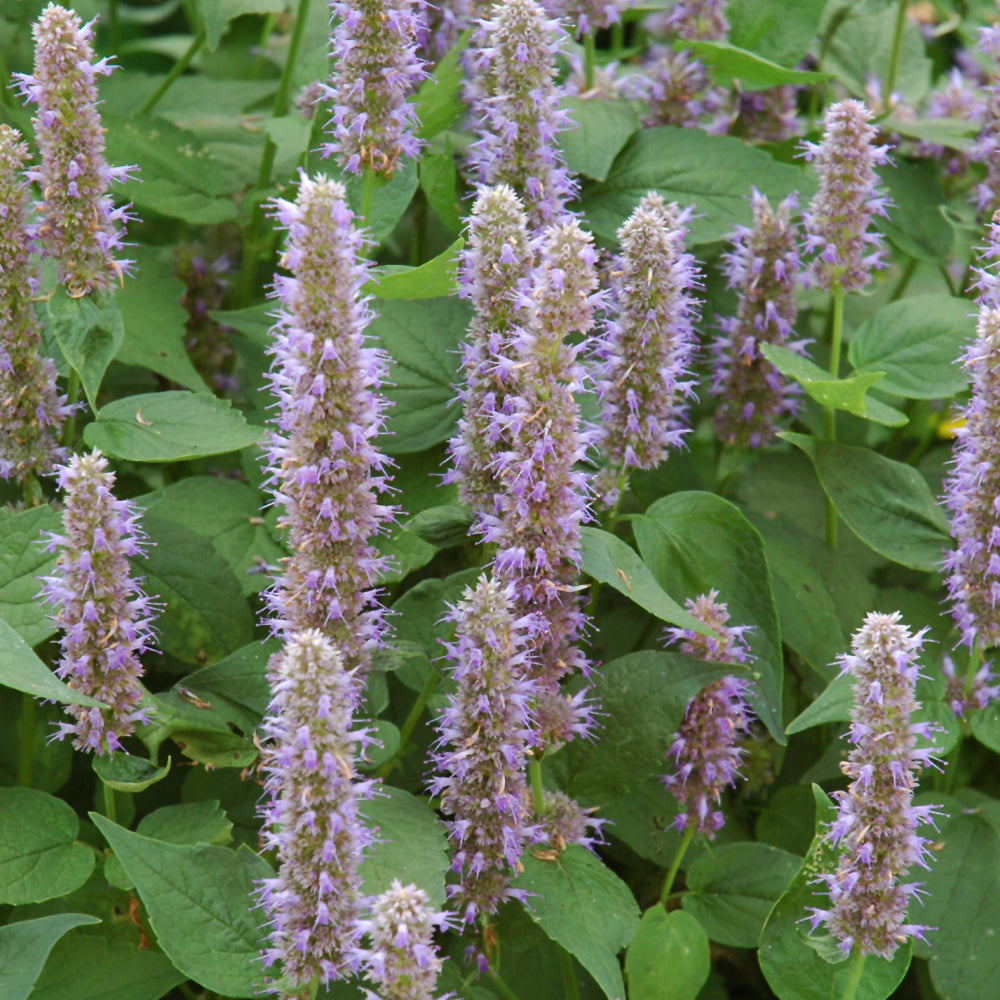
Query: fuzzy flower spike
(707, 748)
(877, 822)
(839, 216)
(104, 615)
(80, 227)
(377, 68)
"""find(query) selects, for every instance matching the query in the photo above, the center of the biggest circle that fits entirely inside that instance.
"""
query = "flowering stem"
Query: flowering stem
(537, 789)
(175, 71)
(830, 416)
(569, 976)
(26, 741)
(894, 56)
(589, 59)
(367, 196)
(975, 660)
(109, 803)
(72, 391)
(854, 980)
(502, 988)
(675, 864)
(416, 712)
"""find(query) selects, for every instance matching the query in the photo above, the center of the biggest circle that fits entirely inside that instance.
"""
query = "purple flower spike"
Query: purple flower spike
(516, 100)
(960, 99)
(311, 812)
(966, 696)
(769, 115)
(645, 353)
(403, 962)
(586, 15)
(763, 268)
(377, 68)
(480, 755)
(105, 617)
(696, 20)
(675, 90)
(32, 411)
(987, 147)
(324, 469)
(707, 748)
(876, 822)
(840, 214)
(566, 822)
(80, 226)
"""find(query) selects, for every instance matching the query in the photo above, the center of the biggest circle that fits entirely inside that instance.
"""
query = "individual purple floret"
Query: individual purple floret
(480, 755)
(105, 617)
(586, 16)
(311, 812)
(324, 469)
(763, 268)
(516, 103)
(564, 822)
(876, 822)
(987, 147)
(403, 962)
(80, 226)
(493, 273)
(645, 352)
(376, 68)
(971, 491)
(32, 411)
(966, 695)
(707, 748)
(839, 216)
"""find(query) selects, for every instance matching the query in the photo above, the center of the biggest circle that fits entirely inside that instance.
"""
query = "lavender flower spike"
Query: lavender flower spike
(377, 67)
(80, 227)
(706, 749)
(839, 216)
(311, 812)
(104, 615)
(403, 962)
(324, 469)
(645, 353)
(987, 144)
(763, 268)
(480, 755)
(32, 411)
(877, 822)
(695, 20)
(516, 100)
(586, 15)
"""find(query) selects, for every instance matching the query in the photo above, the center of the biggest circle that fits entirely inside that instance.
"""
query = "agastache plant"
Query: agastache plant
(32, 411)
(876, 825)
(988, 142)
(516, 101)
(105, 617)
(376, 69)
(79, 227)
(645, 352)
(311, 814)
(763, 268)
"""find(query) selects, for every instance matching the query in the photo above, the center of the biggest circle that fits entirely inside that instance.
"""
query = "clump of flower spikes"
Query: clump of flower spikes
(987, 147)
(311, 812)
(706, 749)
(32, 411)
(876, 822)
(493, 272)
(966, 694)
(484, 732)
(516, 101)
(377, 67)
(105, 617)
(80, 227)
(324, 469)
(763, 268)
(586, 15)
(645, 352)
(839, 216)
(402, 962)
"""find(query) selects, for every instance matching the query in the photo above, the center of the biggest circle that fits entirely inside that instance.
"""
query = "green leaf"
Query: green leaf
(697, 542)
(200, 732)
(169, 427)
(733, 887)
(439, 99)
(439, 182)
(126, 773)
(887, 504)
(774, 29)
(217, 14)
(39, 856)
(916, 343)
(583, 906)
(22, 670)
(254, 323)
(954, 133)
(391, 199)
(790, 958)
(422, 338)
(199, 900)
(833, 705)
(154, 319)
(714, 173)
(431, 280)
(668, 958)
(406, 552)
(23, 559)
(602, 129)
(726, 62)
(25, 946)
(89, 332)
(848, 394)
(205, 613)
(916, 223)
(787, 820)
(444, 526)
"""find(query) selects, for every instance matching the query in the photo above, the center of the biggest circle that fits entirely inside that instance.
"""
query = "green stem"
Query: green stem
(537, 789)
(114, 23)
(501, 987)
(617, 39)
(32, 490)
(265, 34)
(589, 59)
(904, 281)
(830, 414)
(568, 975)
(175, 71)
(947, 280)
(975, 662)
(367, 196)
(416, 712)
(854, 979)
(109, 803)
(72, 392)
(896, 52)
(26, 741)
(675, 864)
